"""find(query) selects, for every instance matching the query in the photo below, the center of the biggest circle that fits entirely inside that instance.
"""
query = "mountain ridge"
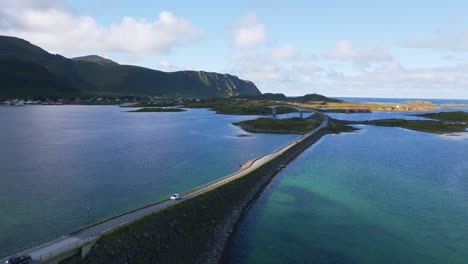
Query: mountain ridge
(95, 75)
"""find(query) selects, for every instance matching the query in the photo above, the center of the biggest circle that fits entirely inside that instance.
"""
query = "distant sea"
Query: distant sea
(402, 100)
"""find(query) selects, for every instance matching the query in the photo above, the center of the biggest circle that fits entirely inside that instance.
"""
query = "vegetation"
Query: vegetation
(346, 111)
(96, 59)
(187, 232)
(282, 97)
(196, 229)
(370, 106)
(338, 126)
(239, 106)
(419, 125)
(45, 74)
(26, 79)
(153, 104)
(450, 122)
(459, 116)
(158, 109)
(282, 126)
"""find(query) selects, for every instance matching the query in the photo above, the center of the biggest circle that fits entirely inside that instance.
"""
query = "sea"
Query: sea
(63, 167)
(377, 195)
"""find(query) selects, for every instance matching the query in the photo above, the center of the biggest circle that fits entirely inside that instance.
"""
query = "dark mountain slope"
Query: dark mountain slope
(25, 79)
(96, 75)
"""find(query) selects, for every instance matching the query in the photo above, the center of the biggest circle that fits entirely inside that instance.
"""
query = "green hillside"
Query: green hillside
(47, 74)
(25, 79)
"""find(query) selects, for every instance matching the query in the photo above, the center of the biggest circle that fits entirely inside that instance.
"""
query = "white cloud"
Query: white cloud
(281, 68)
(344, 50)
(285, 52)
(392, 79)
(166, 66)
(248, 32)
(452, 42)
(61, 31)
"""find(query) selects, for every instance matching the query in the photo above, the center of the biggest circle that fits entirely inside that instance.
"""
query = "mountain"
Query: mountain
(96, 59)
(27, 71)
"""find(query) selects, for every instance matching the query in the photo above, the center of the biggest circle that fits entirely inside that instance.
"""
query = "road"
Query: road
(86, 235)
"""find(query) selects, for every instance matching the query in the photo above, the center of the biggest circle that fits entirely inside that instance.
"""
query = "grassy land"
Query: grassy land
(281, 126)
(161, 104)
(240, 107)
(450, 122)
(372, 106)
(254, 106)
(459, 116)
(158, 109)
(338, 126)
(419, 125)
(345, 111)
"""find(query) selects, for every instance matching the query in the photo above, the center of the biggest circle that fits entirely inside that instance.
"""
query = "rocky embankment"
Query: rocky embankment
(196, 230)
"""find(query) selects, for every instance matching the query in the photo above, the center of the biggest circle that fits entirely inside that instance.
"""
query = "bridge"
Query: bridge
(299, 109)
(82, 241)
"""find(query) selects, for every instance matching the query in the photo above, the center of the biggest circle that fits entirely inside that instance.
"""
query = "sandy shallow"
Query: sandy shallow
(455, 136)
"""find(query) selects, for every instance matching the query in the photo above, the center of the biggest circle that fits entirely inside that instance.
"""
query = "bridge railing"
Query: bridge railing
(75, 245)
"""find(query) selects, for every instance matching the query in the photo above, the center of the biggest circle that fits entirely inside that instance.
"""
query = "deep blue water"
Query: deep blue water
(55, 161)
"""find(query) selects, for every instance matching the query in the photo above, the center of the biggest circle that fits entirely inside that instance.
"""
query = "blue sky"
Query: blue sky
(410, 49)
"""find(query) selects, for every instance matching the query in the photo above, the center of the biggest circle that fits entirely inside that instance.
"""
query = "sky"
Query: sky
(359, 48)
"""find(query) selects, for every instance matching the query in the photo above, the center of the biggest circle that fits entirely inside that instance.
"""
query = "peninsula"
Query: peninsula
(157, 109)
(441, 123)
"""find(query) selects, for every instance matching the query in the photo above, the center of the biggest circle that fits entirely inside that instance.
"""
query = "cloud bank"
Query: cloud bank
(248, 32)
(54, 27)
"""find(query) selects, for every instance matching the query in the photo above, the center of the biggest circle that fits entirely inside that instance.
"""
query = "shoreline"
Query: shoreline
(199, 227)
(237, 219)
(230, 241)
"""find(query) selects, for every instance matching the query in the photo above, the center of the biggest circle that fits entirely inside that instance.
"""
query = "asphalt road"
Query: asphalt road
(84, 236)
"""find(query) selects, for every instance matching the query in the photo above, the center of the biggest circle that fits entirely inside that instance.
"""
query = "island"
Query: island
(157, 109)
(442, 123)
(293, 125)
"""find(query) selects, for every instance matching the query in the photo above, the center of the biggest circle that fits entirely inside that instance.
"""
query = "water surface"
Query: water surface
(57, 161)
(381, 195)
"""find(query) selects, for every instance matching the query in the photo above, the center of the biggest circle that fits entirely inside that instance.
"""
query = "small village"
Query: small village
(122, 101)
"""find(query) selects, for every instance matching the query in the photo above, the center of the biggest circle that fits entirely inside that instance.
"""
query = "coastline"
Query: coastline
(218, 254)
(198, 229)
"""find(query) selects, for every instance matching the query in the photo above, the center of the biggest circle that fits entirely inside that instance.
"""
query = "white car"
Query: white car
(175, 196)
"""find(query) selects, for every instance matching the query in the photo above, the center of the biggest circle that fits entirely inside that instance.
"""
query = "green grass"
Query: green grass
(293, 125)
(429, 126)
(240, 107)
(458, 116)
(447, 122)
(157, 109)
(159, 104)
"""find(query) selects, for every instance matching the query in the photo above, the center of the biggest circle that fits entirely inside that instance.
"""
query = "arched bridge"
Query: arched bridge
(301, 110)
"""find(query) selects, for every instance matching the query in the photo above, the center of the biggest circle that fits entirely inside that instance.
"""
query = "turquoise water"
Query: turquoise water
(381, 195)
(55, 161)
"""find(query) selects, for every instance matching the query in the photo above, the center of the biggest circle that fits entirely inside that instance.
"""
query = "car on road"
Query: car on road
(175, 196)
(19, 260)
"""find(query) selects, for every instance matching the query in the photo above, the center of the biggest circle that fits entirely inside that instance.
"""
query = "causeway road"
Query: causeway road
(85, 236)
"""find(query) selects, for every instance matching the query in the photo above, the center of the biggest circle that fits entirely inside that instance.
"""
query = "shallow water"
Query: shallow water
(56, 161)
(381, 195)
